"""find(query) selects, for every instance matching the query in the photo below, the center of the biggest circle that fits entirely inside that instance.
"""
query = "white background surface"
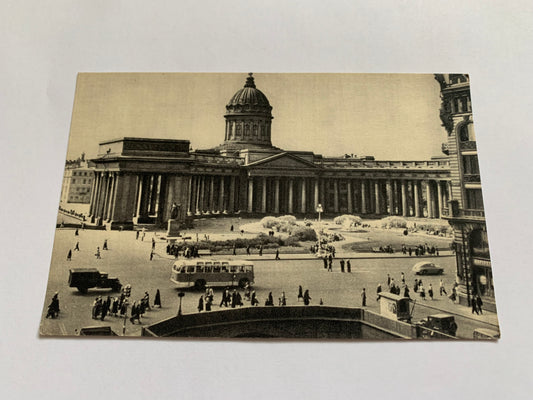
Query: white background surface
(44, 44)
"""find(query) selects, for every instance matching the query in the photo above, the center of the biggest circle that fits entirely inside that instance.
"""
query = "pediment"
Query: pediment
(283, 161)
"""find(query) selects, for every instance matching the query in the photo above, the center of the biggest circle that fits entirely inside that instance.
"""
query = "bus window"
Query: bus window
(241, 268)
(249, 268)
(199, 268)
(183, 269)
(216, 268)
(224, 268)
(233, 268)
(190, 268)
(208, 268)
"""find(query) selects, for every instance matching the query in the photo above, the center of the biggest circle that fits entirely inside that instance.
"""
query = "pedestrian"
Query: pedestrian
(77, 247)
(201, 304)
(321, 302)
(270, 300)
(348, 266)
(261, 250)
(415, 286)
(282, 301)
(231, 228)
(342, 265)
(254, 300)
(441, 288)
(248, 249)
(69, 255)
(146, 300)
(406, 292)
(300, 293)
(151, 255)
(53, 308)
(330, 264)
(136, 235)
(238, 299)
(479, 304)
(388, 280)
(277, 255)
(104, 247)
(234, 250)
(422, 292)
(363, 297)
(97, 254)
(76, 233)
(410, 252)
(157, 299)
(105, 309)
(124, 308)
(378, 291)
(114, 306)
(474, 306)
(430, 291)
(208, 302)
(153, 243)
(307, 297)
(402, 277)
(325, 262)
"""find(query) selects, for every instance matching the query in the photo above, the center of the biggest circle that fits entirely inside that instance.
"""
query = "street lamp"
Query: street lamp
(180, 295)
(319, 210)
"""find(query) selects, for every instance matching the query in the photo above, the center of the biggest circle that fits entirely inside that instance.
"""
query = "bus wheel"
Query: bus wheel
(243, 282)
(199, 284)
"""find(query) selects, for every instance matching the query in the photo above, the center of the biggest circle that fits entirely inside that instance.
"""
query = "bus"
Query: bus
(200, 273)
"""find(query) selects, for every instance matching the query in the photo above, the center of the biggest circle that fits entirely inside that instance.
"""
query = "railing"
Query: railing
(469, 145)
(347, 163)
(461, 213)
(472, 178)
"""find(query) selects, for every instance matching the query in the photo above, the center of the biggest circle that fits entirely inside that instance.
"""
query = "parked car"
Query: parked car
(427, 268)
(444, 323)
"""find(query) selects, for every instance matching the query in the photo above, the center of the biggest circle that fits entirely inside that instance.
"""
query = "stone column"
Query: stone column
(405, 209)
(377, 196)
(103, 198)
(363, 197)
(263, 194)
(202, 193)
(335, 196)
(303, 203)
(221, 207)
(276, 196)
(211, 205)
(93, 195)
(350, 202)
(390, 198)
(316, 202)
(290, 197)
(450, 193)
(231, 197)
(439, 198)
(250, 194)
(416, 195)
(429, 200)
(111, 196)
(189, 194)
(139, 195)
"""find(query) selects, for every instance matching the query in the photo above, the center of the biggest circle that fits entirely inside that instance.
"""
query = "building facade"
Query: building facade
(138, 180)
(465, 211)
(77, 181)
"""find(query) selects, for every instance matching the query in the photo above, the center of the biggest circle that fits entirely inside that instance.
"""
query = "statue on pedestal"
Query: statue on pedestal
(174, 211)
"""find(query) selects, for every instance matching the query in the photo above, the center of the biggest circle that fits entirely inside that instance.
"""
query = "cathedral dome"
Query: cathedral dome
(249, 99)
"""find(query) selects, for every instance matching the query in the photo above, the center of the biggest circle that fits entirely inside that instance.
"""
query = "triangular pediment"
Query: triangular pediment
(283, 161)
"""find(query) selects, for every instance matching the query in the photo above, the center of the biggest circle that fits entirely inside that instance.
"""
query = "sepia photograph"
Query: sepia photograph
(272, 206)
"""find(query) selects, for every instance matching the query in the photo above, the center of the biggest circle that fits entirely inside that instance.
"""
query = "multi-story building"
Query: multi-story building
(77, 181)
(138, 180)
(465, 212)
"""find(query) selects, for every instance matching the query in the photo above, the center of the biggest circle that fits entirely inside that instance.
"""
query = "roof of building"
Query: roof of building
(249, 99)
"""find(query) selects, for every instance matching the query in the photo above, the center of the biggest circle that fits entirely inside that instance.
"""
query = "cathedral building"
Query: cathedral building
(138, 180)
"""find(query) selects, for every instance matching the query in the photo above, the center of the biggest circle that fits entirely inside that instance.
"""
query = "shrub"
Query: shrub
(304, 234)
(290, 219)
(348, 221)
(270, 222)
(393, 222)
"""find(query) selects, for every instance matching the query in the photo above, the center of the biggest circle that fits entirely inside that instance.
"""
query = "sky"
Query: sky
(388, 116)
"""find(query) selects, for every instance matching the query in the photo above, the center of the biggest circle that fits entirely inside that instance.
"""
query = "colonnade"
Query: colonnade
(212, 194)
(301, 195)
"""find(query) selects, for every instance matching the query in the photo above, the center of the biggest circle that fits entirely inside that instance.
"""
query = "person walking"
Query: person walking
(277, 255)
(208, 302)
(378, 291)
(388, 280)
(248, 250)
(330, 265)
(363, 297)
(137, 235)
(234, 250)
(201, 304)
(153, 243)
(254, 301)
(441, 288)
(325, 262)
(261, 250)
(76, 233)
(151, 255)
(104, 247)
(69, 255)
(402, 278)
(422, 292)
(430, 291)
(97, 254)
(406, 292)
(342, 265)
(307, 297)
(474, 306)
(157, 299)
(348, 266)
(77, 247)
(53, 308)
(479, 304)
(282, 299)
(300, 293)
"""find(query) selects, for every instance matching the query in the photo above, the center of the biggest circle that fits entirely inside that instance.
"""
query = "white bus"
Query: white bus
(199, 273)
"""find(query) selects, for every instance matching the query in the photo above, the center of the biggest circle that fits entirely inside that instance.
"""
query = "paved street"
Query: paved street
(128, 259)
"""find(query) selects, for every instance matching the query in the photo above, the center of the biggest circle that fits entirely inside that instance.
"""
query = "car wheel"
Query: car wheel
(423, 272)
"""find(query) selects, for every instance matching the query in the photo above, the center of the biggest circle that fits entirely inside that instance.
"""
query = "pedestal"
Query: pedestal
(173, 228)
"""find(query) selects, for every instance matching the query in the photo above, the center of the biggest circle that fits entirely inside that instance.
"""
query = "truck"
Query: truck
(87, 278)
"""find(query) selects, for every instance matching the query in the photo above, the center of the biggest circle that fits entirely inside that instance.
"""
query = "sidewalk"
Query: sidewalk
(338, 256)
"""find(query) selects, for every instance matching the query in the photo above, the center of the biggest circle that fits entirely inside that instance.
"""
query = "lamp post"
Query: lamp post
(180, 295)
(319, 210)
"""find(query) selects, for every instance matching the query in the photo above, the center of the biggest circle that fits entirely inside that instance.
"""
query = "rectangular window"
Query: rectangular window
(474, 199)
(470, 165)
